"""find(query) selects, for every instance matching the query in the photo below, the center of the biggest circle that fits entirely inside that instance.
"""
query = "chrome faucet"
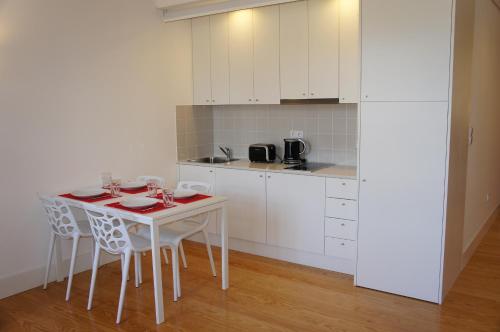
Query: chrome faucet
(227, 152)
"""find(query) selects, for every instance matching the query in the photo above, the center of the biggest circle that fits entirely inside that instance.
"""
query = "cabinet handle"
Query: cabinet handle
(312, 93)
(260, 176)
(342, 224)
(343, 204)
(364, 180)
(342, 244)
(257, 99)
(269, 176)
(304, 94)
(208, 100)
(249, 99)
(213, 100)
(211, 171)
(343, 183)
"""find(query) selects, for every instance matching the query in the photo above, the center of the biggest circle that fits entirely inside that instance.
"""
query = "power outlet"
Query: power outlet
(296, 134)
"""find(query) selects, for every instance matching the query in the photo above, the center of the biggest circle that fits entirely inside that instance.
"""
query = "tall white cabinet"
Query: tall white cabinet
(403, 145)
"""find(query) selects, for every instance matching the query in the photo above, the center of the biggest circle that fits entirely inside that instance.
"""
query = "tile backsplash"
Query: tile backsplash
(330, 130)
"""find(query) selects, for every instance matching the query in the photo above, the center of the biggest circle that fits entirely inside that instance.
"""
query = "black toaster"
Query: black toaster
(262, 153)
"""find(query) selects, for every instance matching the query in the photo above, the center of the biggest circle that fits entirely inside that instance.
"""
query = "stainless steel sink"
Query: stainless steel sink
(212, 160)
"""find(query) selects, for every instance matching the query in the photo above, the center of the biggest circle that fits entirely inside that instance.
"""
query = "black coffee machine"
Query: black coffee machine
(295, 149)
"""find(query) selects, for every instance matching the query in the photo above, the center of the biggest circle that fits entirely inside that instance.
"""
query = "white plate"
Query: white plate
(133, 185)
(184, 193)
(138, 202)
(90, 192)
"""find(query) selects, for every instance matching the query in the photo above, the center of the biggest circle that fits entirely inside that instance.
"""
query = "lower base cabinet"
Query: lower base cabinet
(296, 211)
(246, 208)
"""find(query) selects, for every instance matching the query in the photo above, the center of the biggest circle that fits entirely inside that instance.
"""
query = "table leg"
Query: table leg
(158, 287)
(224, 247)
(58, 260)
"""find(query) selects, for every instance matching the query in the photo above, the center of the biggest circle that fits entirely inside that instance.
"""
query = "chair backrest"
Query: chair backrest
(160, 182)
(201, 187)
(60, 217)
(108, 229)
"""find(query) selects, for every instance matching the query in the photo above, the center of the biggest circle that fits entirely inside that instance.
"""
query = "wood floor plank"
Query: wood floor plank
(264, 295)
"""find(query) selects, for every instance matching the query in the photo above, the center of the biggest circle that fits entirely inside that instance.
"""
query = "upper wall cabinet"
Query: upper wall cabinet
(254, 56)
(349, 51)
(309, 49)
(405, 50)
(210, 60)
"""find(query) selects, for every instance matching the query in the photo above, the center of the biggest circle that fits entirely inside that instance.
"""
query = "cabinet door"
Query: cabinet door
(296, 211)
(405, 50)
(219, 35)
(246, 208)
(400, 225)
(323, 48)
(349, 52)
(294, 49)
(266, 55)
(241, 57)
(202, 93)
(202, 174)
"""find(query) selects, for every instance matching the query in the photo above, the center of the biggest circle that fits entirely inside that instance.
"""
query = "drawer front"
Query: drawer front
(340, 228)
(340, 248)
(342, 188)
(342, 208)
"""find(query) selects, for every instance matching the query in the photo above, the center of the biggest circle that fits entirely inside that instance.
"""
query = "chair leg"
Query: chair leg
(174, 273)
(209, 251)
(165, 254)
(74, 251)
(122, 259)
(139, 264)
(49, 259)
(183, 256)
(126, 266)
(95, 266)
(137, 259)
(178, 278)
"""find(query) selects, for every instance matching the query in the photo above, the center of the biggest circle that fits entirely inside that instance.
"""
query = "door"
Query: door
(202, 91)
(323, 21)
(241, 57)
(202, 174)
(246, 208)
(294, 50)
(296, 211)
(266, 55)
(402, 172)
(405, 50)
(219, 58)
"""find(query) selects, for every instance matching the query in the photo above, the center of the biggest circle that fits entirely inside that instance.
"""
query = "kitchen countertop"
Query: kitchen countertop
(334, 171)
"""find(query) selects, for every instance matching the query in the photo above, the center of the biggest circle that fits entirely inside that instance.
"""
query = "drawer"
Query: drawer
(340, 228)
(340, 248)
(341, 188)
(341, 208)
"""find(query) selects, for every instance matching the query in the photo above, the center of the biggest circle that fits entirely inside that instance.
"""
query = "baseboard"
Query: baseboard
(469, 251)
(290, 255)
(26, 280)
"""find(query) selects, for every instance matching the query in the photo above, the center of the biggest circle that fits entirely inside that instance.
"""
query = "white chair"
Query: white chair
(63, 225)
(172, 235)
(111, 234)
(160, 182)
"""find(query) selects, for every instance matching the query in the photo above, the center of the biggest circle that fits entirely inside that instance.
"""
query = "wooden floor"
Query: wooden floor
(265, 295)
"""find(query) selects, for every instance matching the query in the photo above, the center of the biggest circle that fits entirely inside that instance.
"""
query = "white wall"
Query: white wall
(85, 87)
(483, 168)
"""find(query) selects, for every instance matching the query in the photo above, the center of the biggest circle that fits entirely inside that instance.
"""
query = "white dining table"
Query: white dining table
(157, 219)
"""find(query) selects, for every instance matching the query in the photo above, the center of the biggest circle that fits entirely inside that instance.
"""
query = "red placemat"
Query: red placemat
(134, 190)
(155, 208)
(89, 199)
(187, 200)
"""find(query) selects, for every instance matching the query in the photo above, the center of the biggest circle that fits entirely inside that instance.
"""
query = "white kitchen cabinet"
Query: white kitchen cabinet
(254, 56)
(241, 56)
(219, 58)
(295, 211)
(323, 18)
(294, 50)
(202, 86)
(401, 201)
(266, 64)
(349, 51)
(309, 49)
(246, 208)
(406, 50)
(210, 60)
(202, 174)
